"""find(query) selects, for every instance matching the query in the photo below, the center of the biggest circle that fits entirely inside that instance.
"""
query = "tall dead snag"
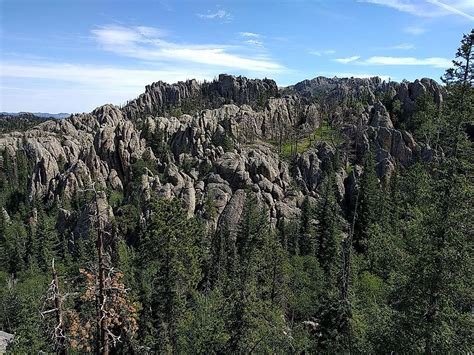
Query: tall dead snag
(54, 296)
(119, 315)
(116, 316)
(103, 331)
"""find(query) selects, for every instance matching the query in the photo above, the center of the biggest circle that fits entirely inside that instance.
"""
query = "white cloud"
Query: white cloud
(454, 10)
(355, 75)
(320, 53)
(403, 46)
(95, 85)
(249, 34)
(435, 62)
(252, 38)
(414, 30)
(219, 14)
(12, 99)
(348, 59)
(115, 35)
(429, 8)
(255, 42)
(150, 46)
(404, 6)
(397, 47)
(103, 76)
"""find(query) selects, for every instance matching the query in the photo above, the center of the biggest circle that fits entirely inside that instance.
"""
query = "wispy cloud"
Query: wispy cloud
(404, 6)
(397, 47)
(355, 75)
(93, 84)
(150, 45)
(435, 62)
(348, 59)
(165, 4)
(249, 34)
(103, 76)
(454, 10)
(217, 15)
(320, 53)
(157, 58)
(252, 38)
(428, 8)
(403, 46)
(112, 35)
(414, 30)
(254, 42)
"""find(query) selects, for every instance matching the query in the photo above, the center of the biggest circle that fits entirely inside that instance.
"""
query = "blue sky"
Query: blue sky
(74, 55)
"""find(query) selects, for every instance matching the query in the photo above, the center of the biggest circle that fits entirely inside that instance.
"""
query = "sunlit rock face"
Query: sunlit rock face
(213, 142)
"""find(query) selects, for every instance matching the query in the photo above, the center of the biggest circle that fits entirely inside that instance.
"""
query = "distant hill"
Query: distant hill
(38, 114)
(19, 121)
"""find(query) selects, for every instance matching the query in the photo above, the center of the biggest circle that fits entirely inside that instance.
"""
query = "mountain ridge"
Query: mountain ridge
(213, 140)
(37, 114)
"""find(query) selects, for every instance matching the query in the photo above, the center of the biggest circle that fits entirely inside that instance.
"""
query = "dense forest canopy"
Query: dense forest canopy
(20, 122)
(384, 267)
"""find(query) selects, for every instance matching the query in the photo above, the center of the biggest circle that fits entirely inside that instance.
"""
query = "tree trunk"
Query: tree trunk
(60, 331)
(103, 334)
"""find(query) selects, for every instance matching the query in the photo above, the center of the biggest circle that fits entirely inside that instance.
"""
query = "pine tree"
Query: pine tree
(306, 286)
(223, 257)
(256, 322)
(384, 244)
(366, 212)
(433, 301)
(329, 234)
(459, 107)
(30, 333)
(47, 239)
(170, 272)
(289, 235)
(424, 120)
(307, 239)
(202, 328)
(13, 246)
(434, 289)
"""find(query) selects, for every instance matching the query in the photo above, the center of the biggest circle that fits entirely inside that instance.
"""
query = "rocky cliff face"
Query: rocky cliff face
(225, 141)
(160, 97)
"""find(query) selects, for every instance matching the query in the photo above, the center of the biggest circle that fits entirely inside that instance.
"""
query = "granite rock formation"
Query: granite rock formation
(214, 141)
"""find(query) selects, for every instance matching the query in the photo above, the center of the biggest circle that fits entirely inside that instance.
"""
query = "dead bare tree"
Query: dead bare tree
(55, 297)
(104, 285)
(103, 331)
